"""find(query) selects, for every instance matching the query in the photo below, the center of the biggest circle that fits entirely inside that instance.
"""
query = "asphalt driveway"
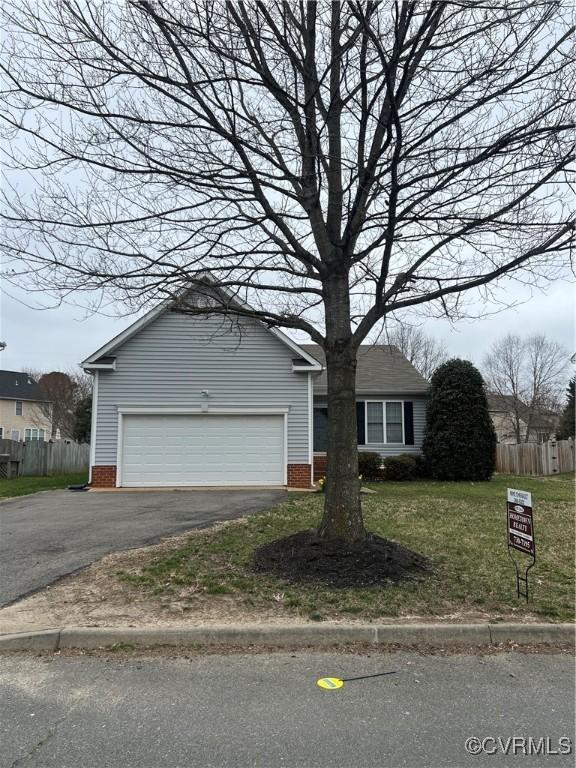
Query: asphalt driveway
(48, 535)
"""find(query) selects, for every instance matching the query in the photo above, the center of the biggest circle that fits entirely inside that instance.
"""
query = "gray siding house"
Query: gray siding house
(390, 403)
(185, 400)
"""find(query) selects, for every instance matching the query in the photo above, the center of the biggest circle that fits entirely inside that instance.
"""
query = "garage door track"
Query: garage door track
(48, 535)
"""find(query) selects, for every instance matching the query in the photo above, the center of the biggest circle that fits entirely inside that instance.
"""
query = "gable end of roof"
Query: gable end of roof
(104, 357)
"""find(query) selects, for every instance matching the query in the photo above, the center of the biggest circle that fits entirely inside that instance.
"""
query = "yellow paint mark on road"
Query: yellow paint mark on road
(330, 683)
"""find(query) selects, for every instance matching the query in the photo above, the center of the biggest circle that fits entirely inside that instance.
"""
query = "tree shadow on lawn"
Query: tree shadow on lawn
(304, 556)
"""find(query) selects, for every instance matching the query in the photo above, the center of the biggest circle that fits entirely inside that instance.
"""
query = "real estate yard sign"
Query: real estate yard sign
(520, 522)
(520, 531)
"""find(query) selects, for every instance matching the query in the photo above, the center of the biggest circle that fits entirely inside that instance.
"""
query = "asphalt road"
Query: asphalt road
(48, 535)
(266, 710)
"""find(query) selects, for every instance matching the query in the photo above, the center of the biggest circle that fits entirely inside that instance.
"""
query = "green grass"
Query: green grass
(459, 526)
(21, 486)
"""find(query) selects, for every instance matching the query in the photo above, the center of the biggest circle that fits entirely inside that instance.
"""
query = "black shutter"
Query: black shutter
(360, 423)
(408, 423)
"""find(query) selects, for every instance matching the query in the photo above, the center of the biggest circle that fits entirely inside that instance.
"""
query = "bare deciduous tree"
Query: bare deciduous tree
(329, 163)
(527, 375)
(62, 392)
(423, 351)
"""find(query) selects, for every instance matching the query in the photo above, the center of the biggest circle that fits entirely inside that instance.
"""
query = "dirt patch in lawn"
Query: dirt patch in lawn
(304, 556)
(97, 597)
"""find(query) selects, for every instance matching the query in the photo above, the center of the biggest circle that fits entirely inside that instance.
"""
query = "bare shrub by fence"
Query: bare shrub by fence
(40, 458)
(549, 458)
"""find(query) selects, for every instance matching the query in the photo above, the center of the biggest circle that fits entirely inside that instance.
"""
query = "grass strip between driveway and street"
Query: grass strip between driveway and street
(459, 527)
(22, 486)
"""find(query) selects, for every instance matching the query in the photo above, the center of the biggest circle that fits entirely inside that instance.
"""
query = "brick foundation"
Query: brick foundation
(299, 476)
(103, 477)
(320, 467)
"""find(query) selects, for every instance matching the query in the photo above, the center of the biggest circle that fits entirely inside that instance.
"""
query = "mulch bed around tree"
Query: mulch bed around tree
(306, 557)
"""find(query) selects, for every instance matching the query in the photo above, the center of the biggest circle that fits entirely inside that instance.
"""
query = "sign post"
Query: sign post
(520, 533)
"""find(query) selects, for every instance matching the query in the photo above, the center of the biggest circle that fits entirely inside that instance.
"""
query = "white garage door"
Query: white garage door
(202, 449)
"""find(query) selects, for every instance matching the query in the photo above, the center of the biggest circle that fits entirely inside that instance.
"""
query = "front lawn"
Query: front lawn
(460, 527)
(21, 486)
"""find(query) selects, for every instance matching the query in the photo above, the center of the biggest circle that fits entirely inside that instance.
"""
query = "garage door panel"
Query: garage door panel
(202, 450)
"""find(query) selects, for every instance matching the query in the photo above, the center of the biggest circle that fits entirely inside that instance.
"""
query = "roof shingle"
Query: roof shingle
(381, 369)
(16, 385)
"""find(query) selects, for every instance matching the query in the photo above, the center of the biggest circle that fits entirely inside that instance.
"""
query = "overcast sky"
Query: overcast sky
(45, 339)
(59, 338)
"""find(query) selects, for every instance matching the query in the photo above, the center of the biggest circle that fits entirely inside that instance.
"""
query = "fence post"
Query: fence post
(49, 454)
(553, 457)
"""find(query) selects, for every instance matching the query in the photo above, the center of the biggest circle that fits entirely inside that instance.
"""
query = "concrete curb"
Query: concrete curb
(316, 635)
(44, 640)
(536, 633)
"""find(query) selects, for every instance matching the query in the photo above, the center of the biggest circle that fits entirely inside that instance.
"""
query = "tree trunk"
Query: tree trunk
(342, 517)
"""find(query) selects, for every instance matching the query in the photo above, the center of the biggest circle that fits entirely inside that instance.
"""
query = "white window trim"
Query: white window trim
(383, 404)
(376, 442)
(403, 425)
(35, 437)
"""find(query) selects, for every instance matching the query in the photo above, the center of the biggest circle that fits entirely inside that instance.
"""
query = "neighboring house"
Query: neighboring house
(24, 413)
(183, 400)
(512, 420)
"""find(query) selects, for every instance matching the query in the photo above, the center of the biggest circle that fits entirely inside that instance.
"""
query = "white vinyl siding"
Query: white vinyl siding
(201, 449)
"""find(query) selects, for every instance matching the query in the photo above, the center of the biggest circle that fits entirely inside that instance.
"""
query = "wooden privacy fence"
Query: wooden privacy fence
(549, 458)
(39, 458)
